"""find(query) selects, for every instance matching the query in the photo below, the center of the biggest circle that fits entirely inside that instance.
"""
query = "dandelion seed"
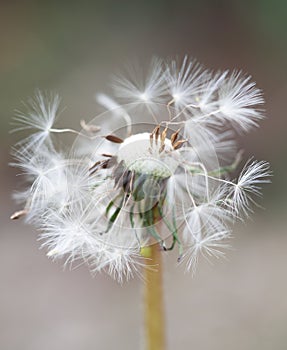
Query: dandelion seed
(149, 88)
(40, 117)
(253, 175)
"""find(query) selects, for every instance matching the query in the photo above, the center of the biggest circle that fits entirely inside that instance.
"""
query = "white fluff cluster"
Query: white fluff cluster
(155, 170)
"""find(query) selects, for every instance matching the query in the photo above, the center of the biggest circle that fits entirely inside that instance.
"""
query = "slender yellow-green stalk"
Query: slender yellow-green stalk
(153, 300)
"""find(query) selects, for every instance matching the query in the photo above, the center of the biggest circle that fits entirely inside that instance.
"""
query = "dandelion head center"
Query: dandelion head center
(144, 154)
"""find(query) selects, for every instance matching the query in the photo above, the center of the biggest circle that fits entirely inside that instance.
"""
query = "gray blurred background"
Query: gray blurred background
(72, 47)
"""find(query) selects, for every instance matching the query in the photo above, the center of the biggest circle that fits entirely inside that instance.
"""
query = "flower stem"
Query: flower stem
(153, 302)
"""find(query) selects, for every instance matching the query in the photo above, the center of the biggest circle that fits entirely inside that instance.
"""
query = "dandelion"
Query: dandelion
(145, 177)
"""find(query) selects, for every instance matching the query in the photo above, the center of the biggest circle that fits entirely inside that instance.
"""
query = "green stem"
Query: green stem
(153, 300)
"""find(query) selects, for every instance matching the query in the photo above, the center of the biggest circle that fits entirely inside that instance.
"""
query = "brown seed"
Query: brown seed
(163, 136)
(114, 139)
(179, 143)
(95, 165)
(174, 136)
(105, 164)
(18, 214)
(102, 164)
(156, 133)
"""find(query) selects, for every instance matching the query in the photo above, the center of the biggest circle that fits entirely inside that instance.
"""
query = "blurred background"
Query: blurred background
(72, 47)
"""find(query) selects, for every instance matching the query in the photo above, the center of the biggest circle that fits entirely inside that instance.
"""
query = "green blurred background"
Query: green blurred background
(72, 47)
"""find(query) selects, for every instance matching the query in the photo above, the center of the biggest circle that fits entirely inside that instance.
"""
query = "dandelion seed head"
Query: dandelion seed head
(155, 168)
